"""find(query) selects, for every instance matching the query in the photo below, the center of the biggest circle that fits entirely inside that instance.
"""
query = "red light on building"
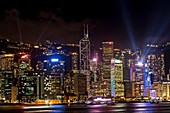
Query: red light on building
(24, 57)
(110, 43)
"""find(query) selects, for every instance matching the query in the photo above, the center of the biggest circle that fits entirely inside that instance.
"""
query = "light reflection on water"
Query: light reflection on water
(142, 104)
(119, 110)
(120, 105)
(82, 108)
(44, 111)
(44, 107)
(97, 106)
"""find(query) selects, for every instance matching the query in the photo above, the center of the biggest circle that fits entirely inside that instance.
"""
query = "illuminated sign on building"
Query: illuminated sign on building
(54, 60)
(112, 79)
(46, 60)
(152, 93)
(9, 55)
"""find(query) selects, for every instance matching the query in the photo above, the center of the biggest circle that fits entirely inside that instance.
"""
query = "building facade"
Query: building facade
(117, 83)
(6, 76)
(107, 56)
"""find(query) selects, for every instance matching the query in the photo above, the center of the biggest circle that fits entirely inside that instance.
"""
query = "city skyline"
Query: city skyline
(34, 74)
(128, 24)
(79, 54)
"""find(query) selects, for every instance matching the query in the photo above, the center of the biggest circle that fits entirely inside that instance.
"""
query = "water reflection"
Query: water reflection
(82, 108)
(142, 104)
(45, 111)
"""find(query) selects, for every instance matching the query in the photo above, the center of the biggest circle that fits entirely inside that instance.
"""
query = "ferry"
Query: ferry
(99, 100)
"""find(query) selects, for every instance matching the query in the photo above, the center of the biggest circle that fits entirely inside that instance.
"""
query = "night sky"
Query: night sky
(128, 23)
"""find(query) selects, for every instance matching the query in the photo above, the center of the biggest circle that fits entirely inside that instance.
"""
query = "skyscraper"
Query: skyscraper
(24, 83)
(84, 50)
(137, 78)
(156, 67)
(107, 56)
(54, 68)
(117, 84)
(74, 60)
(6, 76)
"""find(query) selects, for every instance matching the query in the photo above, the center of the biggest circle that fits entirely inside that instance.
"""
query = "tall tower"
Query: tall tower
(107, 56)
(84, 49)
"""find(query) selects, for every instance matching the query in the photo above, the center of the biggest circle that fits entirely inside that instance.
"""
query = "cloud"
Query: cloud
(47, 25)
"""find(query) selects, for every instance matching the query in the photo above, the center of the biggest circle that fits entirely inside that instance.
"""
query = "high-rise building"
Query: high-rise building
(27, 90)
(31, 86)
(82, 84)
(54, 68)
(165, 79)
(94, 68)
(77, 85)
(155, 59)
(117, 83)
(84, 51)
(95, 83)
(137, 78)
(107, 56)
(141, 80)
(6, 76)
(128, 59)
(25, 84)
(166, 58)
(74, 59)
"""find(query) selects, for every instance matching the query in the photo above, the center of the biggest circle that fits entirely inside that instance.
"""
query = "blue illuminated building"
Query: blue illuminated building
(147, 80)
(54, 67)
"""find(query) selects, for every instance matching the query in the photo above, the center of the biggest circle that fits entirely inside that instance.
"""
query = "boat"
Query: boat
(99, 100)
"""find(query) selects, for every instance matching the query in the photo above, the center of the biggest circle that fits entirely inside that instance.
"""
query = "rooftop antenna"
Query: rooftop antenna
(87, 31)
(84, 30)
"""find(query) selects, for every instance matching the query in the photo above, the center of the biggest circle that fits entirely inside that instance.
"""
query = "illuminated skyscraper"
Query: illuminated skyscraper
(54, 68)
(137, 77)
(128, 60)
(107, 56)
(94, 76)
(141, 80)
(74, 59)
(27, 87)
(25, 84)
(155, 59)
(6, 76)
(84, 50)
(117, 84)
(166, 58)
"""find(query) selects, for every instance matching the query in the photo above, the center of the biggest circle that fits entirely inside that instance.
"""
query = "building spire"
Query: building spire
(84, 49)
(86, 30)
